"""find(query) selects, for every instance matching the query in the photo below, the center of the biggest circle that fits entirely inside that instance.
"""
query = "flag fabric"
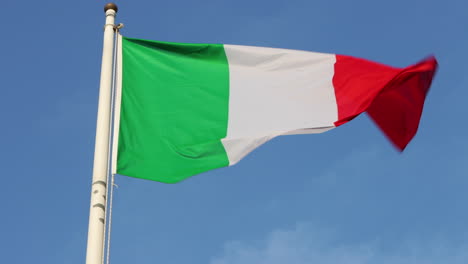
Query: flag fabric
(182, 109)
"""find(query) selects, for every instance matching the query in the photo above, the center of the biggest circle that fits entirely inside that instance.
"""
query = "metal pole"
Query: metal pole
(97, 210)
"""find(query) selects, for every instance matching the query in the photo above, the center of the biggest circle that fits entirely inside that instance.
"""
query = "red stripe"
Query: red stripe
(393, 97)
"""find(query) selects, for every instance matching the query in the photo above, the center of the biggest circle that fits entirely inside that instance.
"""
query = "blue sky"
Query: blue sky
(345, 196)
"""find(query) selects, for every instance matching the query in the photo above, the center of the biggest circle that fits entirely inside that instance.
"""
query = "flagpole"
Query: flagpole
(97, 210)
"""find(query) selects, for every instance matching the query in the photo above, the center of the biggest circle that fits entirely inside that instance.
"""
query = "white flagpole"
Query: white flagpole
(97, 210)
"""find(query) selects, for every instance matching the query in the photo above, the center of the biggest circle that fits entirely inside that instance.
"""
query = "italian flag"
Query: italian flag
(182, 109)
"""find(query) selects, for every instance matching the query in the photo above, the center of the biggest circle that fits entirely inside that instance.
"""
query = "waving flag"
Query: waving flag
(183, 109)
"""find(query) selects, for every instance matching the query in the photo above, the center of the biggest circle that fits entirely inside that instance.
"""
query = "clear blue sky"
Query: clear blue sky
(345, 196)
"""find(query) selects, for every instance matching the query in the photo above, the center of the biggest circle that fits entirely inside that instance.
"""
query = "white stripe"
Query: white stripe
(117, 103)
(276, 92)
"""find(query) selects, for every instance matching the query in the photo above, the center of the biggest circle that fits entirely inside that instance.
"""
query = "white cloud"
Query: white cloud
(306, 244)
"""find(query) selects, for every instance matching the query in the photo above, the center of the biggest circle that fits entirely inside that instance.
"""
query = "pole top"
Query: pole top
(111, 6)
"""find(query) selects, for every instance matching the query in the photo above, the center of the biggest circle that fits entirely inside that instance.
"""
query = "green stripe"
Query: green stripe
(174, 109)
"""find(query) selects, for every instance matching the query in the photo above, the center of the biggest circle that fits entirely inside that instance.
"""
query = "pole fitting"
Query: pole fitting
(118, 27)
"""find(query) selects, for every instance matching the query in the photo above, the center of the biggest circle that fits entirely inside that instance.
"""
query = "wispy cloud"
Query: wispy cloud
(306, 244)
